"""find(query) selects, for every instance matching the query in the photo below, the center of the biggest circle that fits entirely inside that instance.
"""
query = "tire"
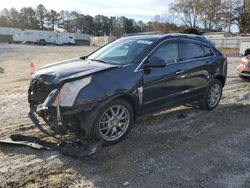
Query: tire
(113, 122)
(212, 95)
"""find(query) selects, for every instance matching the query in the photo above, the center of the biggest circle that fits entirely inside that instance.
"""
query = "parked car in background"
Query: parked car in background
(41, 42)
(243, 69)
(99, 96)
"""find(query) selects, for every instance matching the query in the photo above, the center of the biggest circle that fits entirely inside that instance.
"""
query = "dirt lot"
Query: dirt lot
(182, 147)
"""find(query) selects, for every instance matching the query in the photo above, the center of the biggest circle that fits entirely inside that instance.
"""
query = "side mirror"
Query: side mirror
(154, 62)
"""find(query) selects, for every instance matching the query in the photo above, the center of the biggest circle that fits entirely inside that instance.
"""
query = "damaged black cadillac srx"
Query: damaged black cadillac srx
(99, 96)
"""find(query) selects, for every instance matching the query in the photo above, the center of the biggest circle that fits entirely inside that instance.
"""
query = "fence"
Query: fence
(229, 42)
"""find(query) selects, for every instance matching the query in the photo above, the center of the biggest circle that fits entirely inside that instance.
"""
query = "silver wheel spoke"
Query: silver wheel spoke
(108, 131)
(122, 118)
(120, 124)
(104, 121)
(114, 131)
(112, 111)
(118, 109)
(107, 116)
(104, 128)
(121, 114)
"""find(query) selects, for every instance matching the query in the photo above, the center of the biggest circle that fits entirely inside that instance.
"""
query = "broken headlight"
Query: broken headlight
(69, 92)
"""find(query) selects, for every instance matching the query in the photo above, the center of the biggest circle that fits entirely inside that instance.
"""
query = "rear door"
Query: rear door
(197, 58)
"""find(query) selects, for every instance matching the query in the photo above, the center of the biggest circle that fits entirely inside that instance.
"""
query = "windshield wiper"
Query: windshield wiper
(101, 61)
(84, 57)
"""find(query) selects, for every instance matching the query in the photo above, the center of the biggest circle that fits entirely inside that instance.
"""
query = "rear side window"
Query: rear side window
(191, 51)
(208, 51)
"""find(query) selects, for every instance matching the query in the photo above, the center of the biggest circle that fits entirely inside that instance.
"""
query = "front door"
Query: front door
(164, 84)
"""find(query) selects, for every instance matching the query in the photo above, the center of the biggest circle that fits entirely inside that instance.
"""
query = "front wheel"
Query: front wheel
(113, 122)
(212, 96)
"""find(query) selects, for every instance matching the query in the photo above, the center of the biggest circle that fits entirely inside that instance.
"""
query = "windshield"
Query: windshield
(121, 52)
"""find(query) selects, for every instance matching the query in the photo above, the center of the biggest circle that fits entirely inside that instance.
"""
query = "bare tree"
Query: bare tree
(211, 14)
(189, 11)
(235, 13)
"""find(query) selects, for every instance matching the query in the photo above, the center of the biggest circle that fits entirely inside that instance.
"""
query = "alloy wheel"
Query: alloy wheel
(114, 122)
(214, 95)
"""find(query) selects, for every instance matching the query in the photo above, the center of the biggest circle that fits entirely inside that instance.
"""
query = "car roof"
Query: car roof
(169, 36)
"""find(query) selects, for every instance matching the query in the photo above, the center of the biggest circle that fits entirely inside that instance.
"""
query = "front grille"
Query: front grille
(38, 91)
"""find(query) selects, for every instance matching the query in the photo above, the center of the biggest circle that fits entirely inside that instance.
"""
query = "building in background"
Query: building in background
(101, 41)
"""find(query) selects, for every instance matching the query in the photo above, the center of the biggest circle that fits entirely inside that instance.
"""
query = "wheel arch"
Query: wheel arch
(220, 78)
(130, 100)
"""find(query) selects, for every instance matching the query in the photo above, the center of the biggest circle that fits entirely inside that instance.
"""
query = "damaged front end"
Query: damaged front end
(54, 103)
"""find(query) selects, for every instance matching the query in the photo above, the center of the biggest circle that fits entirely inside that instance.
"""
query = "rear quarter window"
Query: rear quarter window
(208, 51)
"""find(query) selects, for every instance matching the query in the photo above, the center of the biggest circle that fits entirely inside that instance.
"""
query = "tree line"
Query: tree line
(76, 22)
(219, 15)
(214, 14)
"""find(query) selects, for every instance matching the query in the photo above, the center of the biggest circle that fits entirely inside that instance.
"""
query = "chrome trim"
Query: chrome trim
(136, 70)
(140, 94)
(174, 63)
(183, 61)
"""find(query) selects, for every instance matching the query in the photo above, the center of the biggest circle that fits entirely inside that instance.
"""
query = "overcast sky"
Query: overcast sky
(138, 9)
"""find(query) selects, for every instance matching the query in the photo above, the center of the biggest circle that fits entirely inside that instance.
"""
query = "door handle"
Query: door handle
(179, 72)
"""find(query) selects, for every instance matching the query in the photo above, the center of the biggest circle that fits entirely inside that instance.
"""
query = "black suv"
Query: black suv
(100, 95)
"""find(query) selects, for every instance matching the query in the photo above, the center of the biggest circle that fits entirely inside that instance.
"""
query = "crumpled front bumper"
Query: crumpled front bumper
(61, 119)
(36, 122)
(42, 109)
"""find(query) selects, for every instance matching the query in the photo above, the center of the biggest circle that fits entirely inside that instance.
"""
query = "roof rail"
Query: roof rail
(144, 33)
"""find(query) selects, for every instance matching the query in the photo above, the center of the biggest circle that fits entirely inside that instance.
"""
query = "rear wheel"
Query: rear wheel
(113, 122)
(212, 96)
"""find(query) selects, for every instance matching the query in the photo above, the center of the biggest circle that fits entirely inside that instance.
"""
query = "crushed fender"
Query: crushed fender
(77, 149)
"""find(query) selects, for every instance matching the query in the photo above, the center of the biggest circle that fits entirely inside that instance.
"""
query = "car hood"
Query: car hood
(70, 69)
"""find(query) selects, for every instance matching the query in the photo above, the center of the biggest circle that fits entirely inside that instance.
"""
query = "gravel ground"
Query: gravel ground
(181, 147)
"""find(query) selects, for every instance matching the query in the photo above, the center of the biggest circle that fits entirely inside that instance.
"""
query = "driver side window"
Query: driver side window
(169, 52)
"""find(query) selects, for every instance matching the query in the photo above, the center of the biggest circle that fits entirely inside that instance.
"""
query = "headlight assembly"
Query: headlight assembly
(69, 92)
